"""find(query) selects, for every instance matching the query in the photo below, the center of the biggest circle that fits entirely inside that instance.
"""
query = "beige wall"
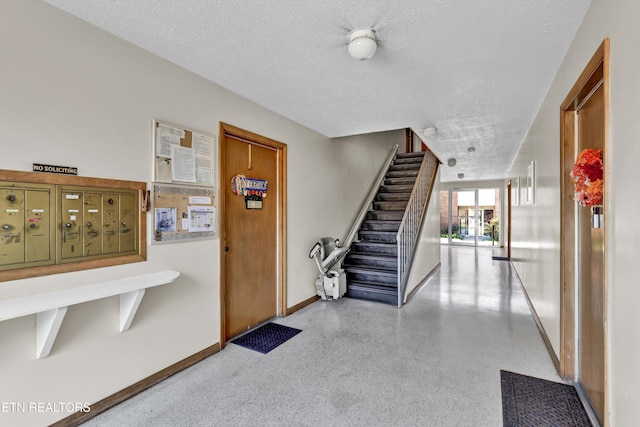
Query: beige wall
(71, 94)
(535, 238)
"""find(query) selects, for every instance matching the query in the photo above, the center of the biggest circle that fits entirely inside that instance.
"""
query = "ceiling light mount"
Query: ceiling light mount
(451, 162)
(362, 44)
(429, 132)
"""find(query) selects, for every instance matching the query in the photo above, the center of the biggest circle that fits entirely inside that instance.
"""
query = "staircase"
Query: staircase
(372, 263)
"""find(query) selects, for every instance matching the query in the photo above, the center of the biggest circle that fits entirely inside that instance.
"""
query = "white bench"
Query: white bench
(51, 307)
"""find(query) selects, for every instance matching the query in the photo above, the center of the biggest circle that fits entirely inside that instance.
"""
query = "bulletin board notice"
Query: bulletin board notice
(182, 155)
(183, 213)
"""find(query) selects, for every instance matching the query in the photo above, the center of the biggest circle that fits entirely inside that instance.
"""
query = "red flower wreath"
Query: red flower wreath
(587, 175)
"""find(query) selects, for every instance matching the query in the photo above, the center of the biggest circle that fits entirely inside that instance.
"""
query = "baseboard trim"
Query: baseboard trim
(543, 333)
(301, 305)
(109, 402)
(423, 282)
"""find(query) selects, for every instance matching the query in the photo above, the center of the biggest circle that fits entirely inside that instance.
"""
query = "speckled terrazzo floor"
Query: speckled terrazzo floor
(435, 362)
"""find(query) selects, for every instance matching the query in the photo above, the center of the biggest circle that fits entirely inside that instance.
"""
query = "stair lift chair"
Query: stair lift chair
(332, 282)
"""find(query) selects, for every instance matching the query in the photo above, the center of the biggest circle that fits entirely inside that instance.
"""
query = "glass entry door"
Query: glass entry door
(464, 218)
(470, 217)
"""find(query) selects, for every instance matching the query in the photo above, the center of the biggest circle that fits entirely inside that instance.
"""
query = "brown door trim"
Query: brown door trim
(509, 201)
(281, 257)
(597, 70)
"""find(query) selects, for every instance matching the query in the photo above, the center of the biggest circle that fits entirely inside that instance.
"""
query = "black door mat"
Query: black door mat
(529, 401)
(500, 258)
(266, 337)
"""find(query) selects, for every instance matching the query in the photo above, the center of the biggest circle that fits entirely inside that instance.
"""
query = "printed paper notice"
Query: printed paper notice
(202, 218)
(167, 137)
(203, 146)
(199, 200)
(183, 164)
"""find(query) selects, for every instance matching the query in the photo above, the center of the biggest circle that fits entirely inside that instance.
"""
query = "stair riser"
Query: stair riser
(360, 247)
(399, 181)
(373, 279)
(405, 167)
(373, 296)
(389, 206)
(411, 155)
(384, 238)
(393, 197)
(385, 215)
(380, 226)
(408, 160)
(378, 263)
(396, 189)
(401, 174)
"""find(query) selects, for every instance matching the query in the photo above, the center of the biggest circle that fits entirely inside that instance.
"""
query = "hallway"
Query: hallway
(435, 362)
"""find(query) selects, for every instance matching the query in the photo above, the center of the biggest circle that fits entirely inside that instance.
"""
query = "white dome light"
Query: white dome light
(430, 132)
(362, 44)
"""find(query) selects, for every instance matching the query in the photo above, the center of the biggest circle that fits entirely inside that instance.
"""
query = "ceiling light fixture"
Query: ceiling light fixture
(460, 175)
(429, 132)
(471, 149)
(362, 44)
(451, 162)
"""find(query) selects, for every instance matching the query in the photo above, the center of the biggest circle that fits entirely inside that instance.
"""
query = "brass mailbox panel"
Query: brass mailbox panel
(11, 226)
(26, 233)
(39, 236)
(128, 222)
(71, 212)
(110, 216)
(92, 229)
(97, 222)
(52, 223)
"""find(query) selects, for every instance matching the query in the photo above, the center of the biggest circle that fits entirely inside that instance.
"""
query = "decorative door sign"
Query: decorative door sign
(253, 190)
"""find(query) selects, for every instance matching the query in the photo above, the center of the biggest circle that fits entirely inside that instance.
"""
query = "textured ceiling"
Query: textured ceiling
(477, 70)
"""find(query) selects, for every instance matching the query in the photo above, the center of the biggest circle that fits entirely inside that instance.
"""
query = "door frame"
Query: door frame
(281, 216)
(508, 202)
(568, 249)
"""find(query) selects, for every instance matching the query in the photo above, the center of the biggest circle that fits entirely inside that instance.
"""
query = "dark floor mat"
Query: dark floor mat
(266, 337)
(500, 258)
(529, 401)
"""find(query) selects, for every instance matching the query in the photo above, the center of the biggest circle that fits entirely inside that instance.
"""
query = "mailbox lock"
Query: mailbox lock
(110, 201)
(11, 198)
(88, 224)
(68, 225)
(106, 224)
(32, 226)
(6, 226)
(124, 224)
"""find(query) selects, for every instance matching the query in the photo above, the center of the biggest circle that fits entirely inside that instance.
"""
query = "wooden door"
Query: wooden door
(584, 123)
(591, 340)
(250, 238)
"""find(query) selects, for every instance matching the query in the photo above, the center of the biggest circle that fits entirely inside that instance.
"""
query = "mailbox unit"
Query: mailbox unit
(51, 223)
(26, 225)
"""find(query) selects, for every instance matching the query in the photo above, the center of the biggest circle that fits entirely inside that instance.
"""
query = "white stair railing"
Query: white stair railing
(410, 225)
